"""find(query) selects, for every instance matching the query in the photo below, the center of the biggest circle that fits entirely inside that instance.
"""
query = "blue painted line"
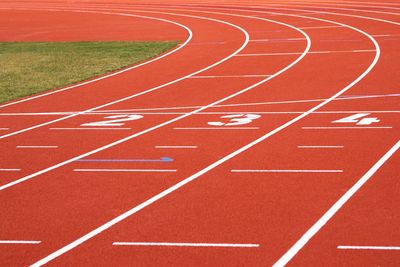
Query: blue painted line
(163, 159)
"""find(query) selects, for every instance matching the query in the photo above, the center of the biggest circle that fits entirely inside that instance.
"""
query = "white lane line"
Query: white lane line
(321, 27)
(111, 112)
(117, 72)
(297, 53)
(345, 127)
(86, 128)
(177, 147)
(10, 170)
(4, 129)
(170, 190)
(290, 171)
(37, 146)
(123, 170)
(269, 40)
(216, 128)
(168, 244)
(19, 242)
(320, 146)
(335, 208)
(231, 76)
(381, 35)
(370, 247)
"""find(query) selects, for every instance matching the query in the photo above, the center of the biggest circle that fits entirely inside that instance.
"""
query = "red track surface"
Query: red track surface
(291, 186)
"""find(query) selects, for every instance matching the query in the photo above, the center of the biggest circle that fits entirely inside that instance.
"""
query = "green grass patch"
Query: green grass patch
(28, 68)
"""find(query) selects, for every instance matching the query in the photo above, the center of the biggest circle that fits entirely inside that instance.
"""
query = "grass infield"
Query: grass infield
(28, 68)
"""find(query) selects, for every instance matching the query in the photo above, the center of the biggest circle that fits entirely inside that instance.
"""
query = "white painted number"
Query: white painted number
(356, 118)
(236, 119)
(116, 120)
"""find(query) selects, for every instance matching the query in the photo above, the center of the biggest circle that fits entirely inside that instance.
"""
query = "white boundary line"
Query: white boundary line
(344, 127)
(88, 128)
(370, 247)
(176, 147)
(168, 191)
(37, 146)
(16, 242)
(334, 209)
(290, 171)
(320, 146)
(216, 128)
(110, 112)
(124, 170)
(169, 244)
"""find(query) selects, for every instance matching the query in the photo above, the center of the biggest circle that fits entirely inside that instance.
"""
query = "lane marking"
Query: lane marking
(37, 146)
(19, 242)
(297, 53)
(233, 112)
(277, 40)
(117, 72)
(344, 127)
(320, 146)
(4, 129)
(217, 128)
(164, 159)
(321, 27)
(123, 170)
(369, 247)
(290, 171)
(86, 128)
(310, 233)
(10, 170)
(177, 147)
(168, 244)
(231, 76)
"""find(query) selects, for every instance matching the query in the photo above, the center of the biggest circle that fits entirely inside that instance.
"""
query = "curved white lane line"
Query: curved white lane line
(190, 35)
(146, 91)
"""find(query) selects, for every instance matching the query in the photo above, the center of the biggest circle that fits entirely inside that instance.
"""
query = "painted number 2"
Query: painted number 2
(116, 120)
(235, 120)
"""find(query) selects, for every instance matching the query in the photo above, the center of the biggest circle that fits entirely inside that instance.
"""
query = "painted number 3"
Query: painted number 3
(116, 120)
(236, 119)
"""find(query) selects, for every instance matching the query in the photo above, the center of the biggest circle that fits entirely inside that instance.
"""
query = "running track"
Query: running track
(269, 136)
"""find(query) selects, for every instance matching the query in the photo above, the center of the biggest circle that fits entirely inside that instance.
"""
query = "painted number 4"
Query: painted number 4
(358, 119)
(235, 120)
(116, 120)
